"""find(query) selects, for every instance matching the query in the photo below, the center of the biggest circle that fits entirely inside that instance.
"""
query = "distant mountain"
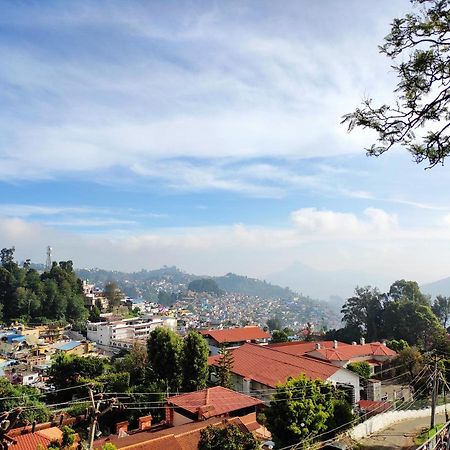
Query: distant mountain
(251, 286)
(335, 286)
(440, 287)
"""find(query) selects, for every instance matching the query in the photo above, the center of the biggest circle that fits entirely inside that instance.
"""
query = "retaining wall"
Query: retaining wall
(384, 420)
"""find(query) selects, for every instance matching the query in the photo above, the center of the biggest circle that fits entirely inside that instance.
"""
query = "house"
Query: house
(182, 437)
(123, 333)
(234, 337)
(339, 353)
(37, 439)
(12, 342)
(206, 403)
(259, 369)
(75, 348)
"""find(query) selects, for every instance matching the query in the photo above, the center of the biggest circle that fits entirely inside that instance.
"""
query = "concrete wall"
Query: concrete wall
(384, 420)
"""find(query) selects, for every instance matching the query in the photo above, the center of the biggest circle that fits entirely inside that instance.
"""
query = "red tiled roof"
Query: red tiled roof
(236, 334)
(183, 437)
(270, 367)
(31, 441)
(348, 352)
(374, 406)
(216, 401)
(300, 348)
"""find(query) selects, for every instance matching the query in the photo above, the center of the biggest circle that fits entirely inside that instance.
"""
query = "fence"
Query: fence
(384, 420)
(441, 441)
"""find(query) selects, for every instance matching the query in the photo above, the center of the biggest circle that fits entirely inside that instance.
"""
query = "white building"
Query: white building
(123, 333)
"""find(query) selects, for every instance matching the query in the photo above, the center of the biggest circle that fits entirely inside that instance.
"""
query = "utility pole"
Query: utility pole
(434, 393)
(95, 414)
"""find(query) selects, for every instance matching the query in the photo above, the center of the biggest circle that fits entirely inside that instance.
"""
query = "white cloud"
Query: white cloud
(331, 224)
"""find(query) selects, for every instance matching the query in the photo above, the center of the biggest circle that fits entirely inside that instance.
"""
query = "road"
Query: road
(398, 436)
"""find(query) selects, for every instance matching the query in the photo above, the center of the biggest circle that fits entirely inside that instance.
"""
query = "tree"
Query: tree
(67, 440)
(135, 363)
(224, 368)
(13, 396)
(364, 311)
(195, 362)
(418, 43)
(279, 336)
(229, 437)
(207, 285)
(409, 290)
(401, 316)
(300, 409)
(164, 348)
(362, 368)
(441, 307)
(397, 345)
(113, 294)
(274, 323)
(411, 359)
(70, 370)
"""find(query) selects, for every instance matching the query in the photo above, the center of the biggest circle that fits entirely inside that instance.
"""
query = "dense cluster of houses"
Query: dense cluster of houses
(258, 366)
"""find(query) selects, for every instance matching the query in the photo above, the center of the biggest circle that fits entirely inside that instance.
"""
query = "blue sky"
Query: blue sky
(207, 135)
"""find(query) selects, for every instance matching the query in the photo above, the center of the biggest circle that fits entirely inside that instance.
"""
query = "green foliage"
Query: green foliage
(408, 290)
(362, 368)
(279, 336)
(166, 299)
(364, 311)
(390, 316)
(300, 409)
(56, 294)
(274, 323)
(13, 396)
(342, 415)
(195, 362)
(251, 286)
(229, 437)
(72, 370)
(164, 348)
(113, 294)
(441, 307)
(411, 359)
(207, 285)
(135, 363)
(418, 43)
(68, 439)
(109, 446)
(224, 368)
(346, 334)
(397, 344)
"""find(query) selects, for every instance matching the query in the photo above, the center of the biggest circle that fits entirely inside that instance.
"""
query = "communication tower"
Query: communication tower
(48, 262)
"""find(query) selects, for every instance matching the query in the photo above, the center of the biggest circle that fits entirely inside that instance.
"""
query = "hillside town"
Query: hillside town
(224, 225)
(157, 376)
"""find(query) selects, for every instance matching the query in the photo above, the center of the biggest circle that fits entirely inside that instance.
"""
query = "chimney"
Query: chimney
(145, 422)
(353, 343)
(362, 341)
(317, 345)
(246, 385)
(335, 344)
(169, 415)
(122, 427)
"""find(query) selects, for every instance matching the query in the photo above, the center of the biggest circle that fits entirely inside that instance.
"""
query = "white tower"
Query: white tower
(48, 262)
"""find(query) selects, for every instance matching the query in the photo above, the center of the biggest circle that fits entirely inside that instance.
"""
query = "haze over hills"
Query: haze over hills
(325, 285)
(439, 287)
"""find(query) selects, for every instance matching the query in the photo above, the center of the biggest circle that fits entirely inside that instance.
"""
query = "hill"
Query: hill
(439, 287)
(251, 286)
(336, 285)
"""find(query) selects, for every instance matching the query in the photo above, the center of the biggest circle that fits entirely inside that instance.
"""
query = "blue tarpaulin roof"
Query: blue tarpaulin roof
(68, 346)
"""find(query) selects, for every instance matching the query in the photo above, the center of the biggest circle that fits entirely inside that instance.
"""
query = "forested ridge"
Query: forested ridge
(30, 296)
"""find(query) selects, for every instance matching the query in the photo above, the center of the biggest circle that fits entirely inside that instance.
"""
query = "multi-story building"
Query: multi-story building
(123, 333)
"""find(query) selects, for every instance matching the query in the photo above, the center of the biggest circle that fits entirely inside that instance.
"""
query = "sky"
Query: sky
(207, 135)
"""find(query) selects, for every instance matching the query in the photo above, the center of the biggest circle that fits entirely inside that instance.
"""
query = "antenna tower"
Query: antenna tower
(48, 262)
